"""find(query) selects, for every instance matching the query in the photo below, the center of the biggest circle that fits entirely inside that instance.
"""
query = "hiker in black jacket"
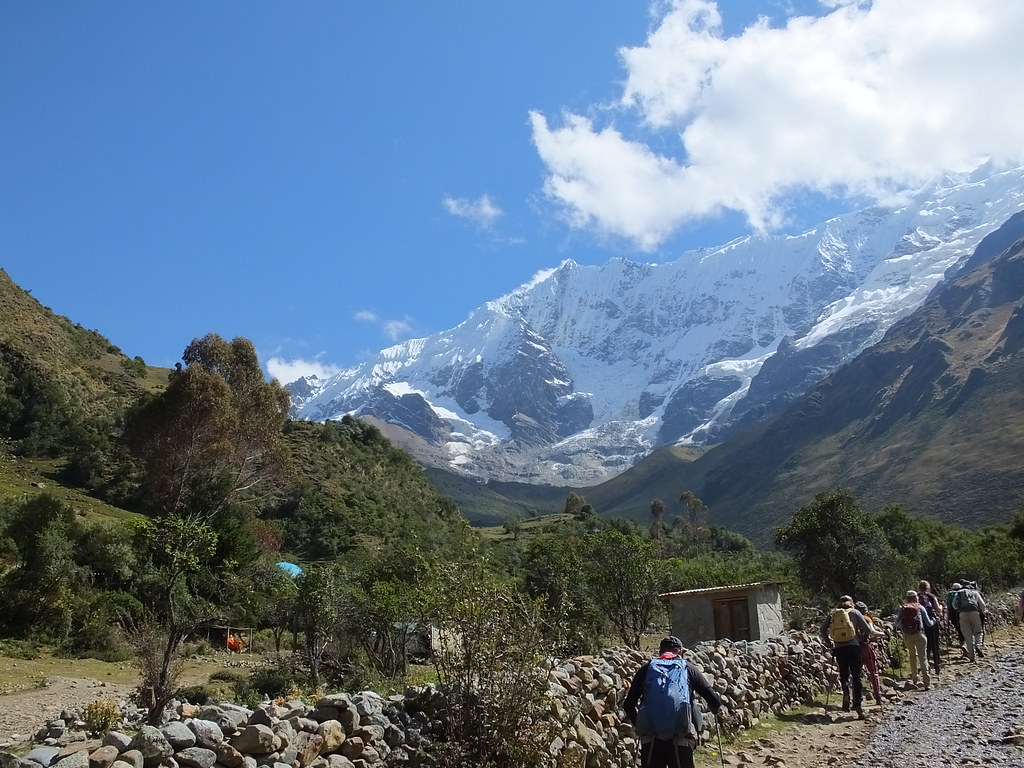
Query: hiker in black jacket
(846, 650)
(678, 752)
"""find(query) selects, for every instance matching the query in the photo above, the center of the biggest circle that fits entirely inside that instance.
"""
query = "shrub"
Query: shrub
(199, 694)
(897, 653)
(101, 715)
(489, 665)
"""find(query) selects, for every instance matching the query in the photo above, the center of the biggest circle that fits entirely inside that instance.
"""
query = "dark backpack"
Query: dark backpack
(910, 621)
(665, 711)
(966, 600)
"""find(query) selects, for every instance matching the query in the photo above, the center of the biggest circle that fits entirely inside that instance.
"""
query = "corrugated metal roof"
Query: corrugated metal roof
(710, 590)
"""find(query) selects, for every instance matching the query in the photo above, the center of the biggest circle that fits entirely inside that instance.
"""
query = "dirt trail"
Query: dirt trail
(949, 724)
(22, 713)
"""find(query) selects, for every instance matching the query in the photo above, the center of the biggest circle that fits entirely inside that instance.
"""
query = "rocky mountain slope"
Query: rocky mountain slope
(932, 417)
(579, 374)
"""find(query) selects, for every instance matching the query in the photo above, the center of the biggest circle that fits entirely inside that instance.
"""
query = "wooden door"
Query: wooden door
(732, 619)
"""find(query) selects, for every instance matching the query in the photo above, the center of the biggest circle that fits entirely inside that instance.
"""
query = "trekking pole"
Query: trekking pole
(718, 730)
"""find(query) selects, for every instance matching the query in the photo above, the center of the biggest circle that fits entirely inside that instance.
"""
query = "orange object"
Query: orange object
(234, 644)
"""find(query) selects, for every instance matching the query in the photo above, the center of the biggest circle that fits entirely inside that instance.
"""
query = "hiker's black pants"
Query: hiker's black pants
(848, 661)
(934, 647)
(665, 754)
(954, 619)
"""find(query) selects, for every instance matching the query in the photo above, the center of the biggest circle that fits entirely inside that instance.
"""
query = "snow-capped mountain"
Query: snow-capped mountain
(572, 377)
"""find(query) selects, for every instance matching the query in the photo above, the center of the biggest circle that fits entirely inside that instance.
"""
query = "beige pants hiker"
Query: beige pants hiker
(917, 650)
(973, 629)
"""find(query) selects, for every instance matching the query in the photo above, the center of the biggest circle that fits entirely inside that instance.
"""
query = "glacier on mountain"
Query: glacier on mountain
(577, 374)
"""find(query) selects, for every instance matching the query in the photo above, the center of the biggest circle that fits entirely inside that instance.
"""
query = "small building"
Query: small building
(738, 612)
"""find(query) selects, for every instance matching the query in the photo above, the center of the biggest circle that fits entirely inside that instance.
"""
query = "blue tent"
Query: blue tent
(291, 569)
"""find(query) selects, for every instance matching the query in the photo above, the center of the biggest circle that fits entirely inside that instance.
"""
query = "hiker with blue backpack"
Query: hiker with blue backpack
(661, 706)
(912, 620)
(843, 630)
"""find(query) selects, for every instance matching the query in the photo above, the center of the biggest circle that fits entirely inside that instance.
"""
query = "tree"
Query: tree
(837, 546)
(657, 518)
(38, 596)
(179, 551)
(320, 607)
(554, 571)
(574, 503)
(208, 447)
(623, 581)
(213, 437)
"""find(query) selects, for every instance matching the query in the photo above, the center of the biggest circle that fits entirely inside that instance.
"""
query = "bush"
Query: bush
(897, 653)
(20, 649)
(199, 694)
(232, 676)
(101, 715)
(498, 706)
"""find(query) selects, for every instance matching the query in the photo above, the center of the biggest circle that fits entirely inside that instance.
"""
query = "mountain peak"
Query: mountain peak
(581, 371)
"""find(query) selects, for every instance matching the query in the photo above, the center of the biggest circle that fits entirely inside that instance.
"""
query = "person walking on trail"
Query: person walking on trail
(661, 706)
(953, 615)
(844, 629)
(912, 620)
(869, 654)
(970, 606)
(935, 609)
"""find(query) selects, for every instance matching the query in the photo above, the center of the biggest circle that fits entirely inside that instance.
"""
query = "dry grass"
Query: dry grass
(25, 674)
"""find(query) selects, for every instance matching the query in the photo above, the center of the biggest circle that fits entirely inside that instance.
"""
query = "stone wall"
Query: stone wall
(365, 730)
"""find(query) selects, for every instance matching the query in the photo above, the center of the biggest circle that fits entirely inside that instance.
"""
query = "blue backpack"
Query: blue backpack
(665, 712)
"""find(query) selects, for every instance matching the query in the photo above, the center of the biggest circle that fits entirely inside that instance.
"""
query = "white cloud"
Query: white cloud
(396, 329)
(483, 211)
(392, 329)
(287, 371)
(869, 99)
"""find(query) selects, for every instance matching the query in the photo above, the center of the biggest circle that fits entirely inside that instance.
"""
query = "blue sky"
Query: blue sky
(329, 178)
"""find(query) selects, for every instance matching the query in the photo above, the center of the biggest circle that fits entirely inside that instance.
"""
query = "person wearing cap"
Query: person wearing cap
(868, 654)
(847, 652)
(912, 620)
(970, 606)
(678, 752)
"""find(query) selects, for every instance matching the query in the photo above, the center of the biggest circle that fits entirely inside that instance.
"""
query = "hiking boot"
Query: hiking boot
(981, 652)
(860, 714)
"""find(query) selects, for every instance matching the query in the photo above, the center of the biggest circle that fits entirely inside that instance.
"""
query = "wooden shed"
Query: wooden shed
(738, 612)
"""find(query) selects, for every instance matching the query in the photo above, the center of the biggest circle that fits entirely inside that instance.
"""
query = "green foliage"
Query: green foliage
(897, 652)
(623, 579)
(358, 491)
(492, 641)
(37, 597)
(555, 571)
(836, 546)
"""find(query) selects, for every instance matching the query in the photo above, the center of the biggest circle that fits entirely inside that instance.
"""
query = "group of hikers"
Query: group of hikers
(849, 629)
(661, 705)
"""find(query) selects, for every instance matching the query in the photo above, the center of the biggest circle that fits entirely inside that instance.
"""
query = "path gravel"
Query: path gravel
(976, 720)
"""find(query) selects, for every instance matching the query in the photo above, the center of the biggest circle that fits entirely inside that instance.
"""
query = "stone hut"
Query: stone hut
(738, 612)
